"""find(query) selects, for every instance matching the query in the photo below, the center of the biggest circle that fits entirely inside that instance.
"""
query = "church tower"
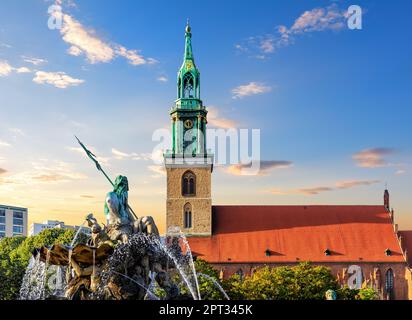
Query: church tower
(188, 165)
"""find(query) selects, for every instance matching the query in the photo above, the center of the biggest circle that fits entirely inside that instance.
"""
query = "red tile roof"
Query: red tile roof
(407, 244)
(242, 234)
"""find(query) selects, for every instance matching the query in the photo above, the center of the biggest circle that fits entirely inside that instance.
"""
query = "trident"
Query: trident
(98, 166)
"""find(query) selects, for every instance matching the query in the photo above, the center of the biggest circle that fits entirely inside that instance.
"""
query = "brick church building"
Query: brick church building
(361, 244)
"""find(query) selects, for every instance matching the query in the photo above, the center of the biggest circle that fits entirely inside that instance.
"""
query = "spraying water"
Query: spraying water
(44, 280)
(34, 273)
(176, 251)
(143, 287)
(179, 266)
(217, 284)
(191, 262)
(77, 234)
(152, 285)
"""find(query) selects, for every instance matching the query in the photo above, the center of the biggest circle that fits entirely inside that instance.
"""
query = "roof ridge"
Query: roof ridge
(298, 205)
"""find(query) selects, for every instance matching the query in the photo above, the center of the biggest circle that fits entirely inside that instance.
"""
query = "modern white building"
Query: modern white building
(13, 221)
(36, 228)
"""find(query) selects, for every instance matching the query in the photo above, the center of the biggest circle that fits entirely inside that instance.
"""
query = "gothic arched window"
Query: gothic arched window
(189, 184)
(389, 284)
(179, 88)
(188, 86)
(240, 273)
(187, 216)
(197, 87)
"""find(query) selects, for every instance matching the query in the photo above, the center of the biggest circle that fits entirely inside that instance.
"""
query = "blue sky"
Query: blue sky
(332, 102)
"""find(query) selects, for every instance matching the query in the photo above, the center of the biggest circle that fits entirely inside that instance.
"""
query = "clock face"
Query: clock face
(189, 65)
(188, 124)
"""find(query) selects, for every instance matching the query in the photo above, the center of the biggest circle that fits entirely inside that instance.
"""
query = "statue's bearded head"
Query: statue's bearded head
(121, 184)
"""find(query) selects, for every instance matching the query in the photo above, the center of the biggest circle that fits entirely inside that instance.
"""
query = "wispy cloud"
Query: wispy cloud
(162, 79)
(50, 177)
(85, 196)
(133, 56)
(57, 79)
(23, 70)
(250, 89)
(372, 158)
(102, 160)
(4, 144)
(313, 190)
(267, 45)
(119, 155)
(215, 120)
(319, 19)
(265, 167)
(310, 191)
(43, 172)
(5, 68)
(85, 41)
(314, 20)
(355, 183)
(304, 191)
(34, 61)
(2, 171)
(158, 170)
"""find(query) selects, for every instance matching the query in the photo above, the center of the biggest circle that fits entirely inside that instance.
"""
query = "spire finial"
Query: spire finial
(188, 29)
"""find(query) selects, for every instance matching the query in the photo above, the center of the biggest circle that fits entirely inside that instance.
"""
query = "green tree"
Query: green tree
(301, 282)
(346, 293)
(208, 288)
(368, 294)
(15, 254)
(9, 269)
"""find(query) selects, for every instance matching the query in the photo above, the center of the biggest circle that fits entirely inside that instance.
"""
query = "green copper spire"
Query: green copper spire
(189, 114)
(189, 76)
(188, 43)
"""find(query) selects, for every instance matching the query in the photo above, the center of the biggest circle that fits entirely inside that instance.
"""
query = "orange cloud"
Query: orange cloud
(252, 88)
(85, 196)
(216, 121)
(49, 178)
(265, 167)
(314, 191)
(43, 172)
(348, 184)
(355, 183)
(372, 158)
